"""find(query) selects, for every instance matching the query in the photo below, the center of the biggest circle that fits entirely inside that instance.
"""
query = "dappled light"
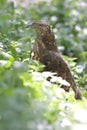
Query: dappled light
(30, 98)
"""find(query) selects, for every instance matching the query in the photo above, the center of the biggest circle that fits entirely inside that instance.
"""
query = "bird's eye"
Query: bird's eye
(40, 25)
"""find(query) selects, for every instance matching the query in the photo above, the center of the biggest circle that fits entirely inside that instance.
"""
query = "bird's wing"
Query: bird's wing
(55, 63)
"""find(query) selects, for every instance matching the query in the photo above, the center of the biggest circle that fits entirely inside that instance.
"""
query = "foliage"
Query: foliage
(27, 100)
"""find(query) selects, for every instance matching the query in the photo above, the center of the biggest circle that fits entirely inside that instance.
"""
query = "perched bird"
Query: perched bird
(45, 50)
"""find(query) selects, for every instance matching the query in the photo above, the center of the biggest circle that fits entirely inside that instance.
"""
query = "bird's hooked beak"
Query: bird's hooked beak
(29, 25)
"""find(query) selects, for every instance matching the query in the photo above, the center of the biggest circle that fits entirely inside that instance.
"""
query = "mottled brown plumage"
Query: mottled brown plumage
(46, 51)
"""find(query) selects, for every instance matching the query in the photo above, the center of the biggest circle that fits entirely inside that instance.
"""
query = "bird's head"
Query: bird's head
(41, 27)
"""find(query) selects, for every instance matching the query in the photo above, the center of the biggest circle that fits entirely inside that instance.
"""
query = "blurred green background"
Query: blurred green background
(27, 100)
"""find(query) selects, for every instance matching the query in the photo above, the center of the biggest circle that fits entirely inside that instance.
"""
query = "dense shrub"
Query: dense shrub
(27, 100)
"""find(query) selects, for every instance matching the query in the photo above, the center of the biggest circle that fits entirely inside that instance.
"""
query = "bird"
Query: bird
(46, 51)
